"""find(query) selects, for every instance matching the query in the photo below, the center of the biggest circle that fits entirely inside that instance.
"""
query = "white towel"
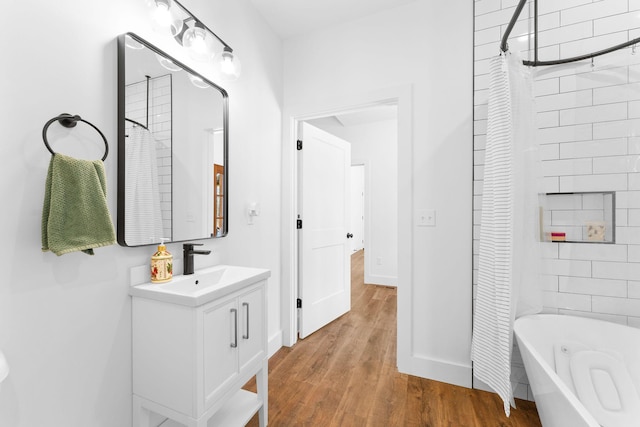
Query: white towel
(143, 217)
(493, 316)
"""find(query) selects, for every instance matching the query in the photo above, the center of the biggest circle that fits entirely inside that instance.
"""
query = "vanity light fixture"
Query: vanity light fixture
(198, 42)
(229, 66)
(171, 17)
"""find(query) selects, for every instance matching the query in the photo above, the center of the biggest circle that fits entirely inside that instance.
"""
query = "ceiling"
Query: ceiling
(290, 18)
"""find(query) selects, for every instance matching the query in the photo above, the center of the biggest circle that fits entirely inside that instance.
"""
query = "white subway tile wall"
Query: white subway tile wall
(589, 132)
(158, 120)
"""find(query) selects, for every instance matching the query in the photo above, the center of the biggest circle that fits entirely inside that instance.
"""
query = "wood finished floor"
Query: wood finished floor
(345, 375)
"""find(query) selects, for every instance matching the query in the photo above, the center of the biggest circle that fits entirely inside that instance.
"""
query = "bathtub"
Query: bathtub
(583, 372)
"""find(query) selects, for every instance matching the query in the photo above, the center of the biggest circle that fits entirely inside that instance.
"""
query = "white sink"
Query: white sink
(201, 287)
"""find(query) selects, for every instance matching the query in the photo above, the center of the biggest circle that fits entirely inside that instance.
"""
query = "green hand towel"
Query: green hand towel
(75, 216)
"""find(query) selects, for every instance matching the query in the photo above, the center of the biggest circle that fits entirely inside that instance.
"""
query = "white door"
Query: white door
(324, 285)
(357, 207)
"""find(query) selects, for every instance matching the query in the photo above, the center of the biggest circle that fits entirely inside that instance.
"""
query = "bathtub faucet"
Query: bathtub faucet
(187, 256)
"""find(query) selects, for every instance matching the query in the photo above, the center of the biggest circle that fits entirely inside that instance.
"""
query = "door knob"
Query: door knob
(349, 235)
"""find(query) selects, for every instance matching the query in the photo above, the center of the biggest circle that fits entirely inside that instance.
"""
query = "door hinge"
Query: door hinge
(298, 303)
(299, 144)
(299, 224)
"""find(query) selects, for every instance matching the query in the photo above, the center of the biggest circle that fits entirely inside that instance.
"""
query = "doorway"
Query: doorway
(372, 133)
(308, 110)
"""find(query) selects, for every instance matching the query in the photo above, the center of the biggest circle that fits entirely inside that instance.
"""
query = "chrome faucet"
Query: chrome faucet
(187, 256)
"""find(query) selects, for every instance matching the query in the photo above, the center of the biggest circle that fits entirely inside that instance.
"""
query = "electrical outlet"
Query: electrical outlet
(426, 217)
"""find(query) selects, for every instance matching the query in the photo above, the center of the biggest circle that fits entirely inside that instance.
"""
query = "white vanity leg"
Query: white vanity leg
(141, 415)
(262, 384)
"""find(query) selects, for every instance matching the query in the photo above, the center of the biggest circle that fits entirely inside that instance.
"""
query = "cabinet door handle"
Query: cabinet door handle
(246, 304)
(234, 313)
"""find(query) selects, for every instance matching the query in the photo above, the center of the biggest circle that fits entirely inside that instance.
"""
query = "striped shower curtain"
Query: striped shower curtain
(509, 229)
(143, 216)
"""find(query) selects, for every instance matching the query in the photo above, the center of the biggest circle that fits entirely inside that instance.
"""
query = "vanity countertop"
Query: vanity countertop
(201, 287)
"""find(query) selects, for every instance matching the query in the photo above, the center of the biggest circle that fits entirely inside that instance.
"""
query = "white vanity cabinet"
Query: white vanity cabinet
(234, 335)
(190, 361)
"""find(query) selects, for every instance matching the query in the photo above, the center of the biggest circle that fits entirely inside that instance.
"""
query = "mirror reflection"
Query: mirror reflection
(172, 149)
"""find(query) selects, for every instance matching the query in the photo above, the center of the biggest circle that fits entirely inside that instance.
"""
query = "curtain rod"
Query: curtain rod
(504, 46)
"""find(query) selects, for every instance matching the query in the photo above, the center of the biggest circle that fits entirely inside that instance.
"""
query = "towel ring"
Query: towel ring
(70, 121)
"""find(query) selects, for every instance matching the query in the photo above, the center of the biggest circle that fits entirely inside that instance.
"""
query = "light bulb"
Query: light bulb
(164, 18)
(229, 65)
(199, 43)
(162, 15)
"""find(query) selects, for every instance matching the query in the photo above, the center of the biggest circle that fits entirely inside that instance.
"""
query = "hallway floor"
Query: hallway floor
(345, 375)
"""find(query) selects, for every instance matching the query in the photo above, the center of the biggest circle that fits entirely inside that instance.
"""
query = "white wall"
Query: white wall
(587, 126)
(357, 207)
(375, 145)
(428, 46)
(65, 321)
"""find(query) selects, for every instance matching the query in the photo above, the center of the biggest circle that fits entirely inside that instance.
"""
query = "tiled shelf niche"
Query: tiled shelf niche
(584, 217)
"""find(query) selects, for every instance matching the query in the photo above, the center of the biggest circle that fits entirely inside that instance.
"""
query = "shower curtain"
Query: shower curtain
(143, 217)
(509, 253)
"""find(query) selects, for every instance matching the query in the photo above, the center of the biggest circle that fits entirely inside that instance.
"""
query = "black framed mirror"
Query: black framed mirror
(172, 149)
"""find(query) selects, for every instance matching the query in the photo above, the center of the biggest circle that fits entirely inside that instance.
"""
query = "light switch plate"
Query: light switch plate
(426, 217)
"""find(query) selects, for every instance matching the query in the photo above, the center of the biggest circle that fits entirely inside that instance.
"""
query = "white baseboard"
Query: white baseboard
(438, 370)
(376, 279)
(275, 343)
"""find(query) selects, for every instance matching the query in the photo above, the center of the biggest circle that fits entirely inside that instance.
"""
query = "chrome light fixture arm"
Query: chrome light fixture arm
(192, 34)
(201, 25)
